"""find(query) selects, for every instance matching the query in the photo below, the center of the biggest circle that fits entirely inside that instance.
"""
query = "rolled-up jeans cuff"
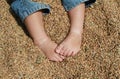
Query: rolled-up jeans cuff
(70, 4)
(24, 8)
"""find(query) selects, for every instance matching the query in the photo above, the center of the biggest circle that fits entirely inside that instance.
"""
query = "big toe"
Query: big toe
(58, 49)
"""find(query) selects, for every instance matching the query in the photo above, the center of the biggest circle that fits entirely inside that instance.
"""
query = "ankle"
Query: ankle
(76, 32)
(39, 42)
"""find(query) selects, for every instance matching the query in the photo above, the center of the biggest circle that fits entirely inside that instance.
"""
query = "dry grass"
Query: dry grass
(98, 59)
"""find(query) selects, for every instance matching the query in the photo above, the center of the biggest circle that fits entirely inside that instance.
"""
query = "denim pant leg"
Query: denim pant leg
(69, 4)
(24, 8)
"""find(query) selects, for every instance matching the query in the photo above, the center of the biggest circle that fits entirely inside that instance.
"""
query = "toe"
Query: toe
(53, 59)
(58, 58)
(69, 52)
(66, 52)
(74, 53)
(58, 49)
(63, 51)
(63, 57)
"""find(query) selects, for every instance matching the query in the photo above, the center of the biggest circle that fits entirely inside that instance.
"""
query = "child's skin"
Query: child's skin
(69, 47)
(34, 24)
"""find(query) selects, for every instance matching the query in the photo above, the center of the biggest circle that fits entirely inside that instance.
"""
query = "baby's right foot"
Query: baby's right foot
(48, 48)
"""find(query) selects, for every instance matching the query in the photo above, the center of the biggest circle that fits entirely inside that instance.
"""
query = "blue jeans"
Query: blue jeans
(24, 8)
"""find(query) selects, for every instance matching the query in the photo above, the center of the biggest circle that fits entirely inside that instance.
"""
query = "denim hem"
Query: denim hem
(45, 9)
(74, 5)
(24, 8)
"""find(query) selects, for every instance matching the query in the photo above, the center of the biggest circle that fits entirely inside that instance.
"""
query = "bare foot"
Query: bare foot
(48, 48)
(70, 46)
(34, 24)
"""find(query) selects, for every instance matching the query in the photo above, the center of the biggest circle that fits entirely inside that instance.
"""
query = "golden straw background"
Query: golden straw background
(99, 57)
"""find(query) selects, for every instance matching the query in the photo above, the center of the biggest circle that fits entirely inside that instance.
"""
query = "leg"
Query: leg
(34, 24)
(71, 45)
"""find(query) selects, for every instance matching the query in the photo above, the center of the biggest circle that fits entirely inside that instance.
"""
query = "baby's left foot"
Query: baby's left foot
(71, 45)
